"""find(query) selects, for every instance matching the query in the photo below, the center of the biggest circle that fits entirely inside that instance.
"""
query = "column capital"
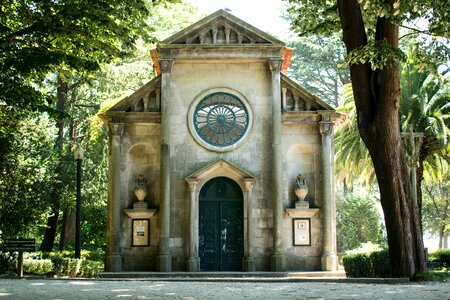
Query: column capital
(192, 182)
(248, 182)
(166, 65)
(326, 127)
(275, 64)
(116, 128)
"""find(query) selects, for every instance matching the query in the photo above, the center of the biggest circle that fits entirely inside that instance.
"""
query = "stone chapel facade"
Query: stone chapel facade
(221, 162)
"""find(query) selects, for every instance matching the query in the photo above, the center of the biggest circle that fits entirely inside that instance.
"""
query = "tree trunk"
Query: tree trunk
(52, 220)
(419, 179)
(377, 97)
(67, 228)
(441, 235)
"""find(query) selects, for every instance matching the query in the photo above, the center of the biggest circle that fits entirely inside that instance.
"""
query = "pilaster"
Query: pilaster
(164, 259)
(329, 258)
(113, 256)
(249, 260)
(193, 260)
(278, 260)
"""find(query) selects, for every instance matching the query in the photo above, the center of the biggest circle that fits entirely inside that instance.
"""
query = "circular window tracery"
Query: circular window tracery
(221, 119)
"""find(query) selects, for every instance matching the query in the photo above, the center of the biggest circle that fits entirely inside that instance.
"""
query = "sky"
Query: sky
(263, 14)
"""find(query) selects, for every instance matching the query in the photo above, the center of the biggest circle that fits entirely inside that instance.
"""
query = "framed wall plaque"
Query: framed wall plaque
(302, 232)
(141, 232)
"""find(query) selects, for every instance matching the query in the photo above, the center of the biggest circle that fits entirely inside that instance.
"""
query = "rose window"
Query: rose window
(221, 119)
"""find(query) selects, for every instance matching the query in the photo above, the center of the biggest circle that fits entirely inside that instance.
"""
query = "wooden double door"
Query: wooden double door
(221, 226)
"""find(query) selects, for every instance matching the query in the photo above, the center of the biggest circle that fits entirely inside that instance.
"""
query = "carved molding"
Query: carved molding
(275, 64)
(248, 183)
(326, 128)
(116, 128)
(166, 65)
(192, 182)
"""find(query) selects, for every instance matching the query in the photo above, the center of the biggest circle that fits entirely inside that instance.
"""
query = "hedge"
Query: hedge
(53, 264)
(440, 256)
(373, 264)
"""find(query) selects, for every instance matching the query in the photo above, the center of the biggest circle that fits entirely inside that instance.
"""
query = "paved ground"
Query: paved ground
(141, 289)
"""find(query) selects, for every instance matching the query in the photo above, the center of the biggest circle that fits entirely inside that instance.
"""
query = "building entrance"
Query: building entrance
(221, 232)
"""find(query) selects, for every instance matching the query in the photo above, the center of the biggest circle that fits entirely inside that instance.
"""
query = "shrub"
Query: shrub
(38, 266)
(90, 268)
(442, 256)
(8, 263)
(370, 264)
(53, 263)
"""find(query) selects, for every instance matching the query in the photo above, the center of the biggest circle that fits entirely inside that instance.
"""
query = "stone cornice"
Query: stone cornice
(131, 117)
(210, 52)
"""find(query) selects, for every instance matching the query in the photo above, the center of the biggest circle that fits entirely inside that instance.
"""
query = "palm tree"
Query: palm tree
(353, 162)
(425, 106)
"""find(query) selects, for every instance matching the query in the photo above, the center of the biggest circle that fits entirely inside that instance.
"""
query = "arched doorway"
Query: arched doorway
(221, 226)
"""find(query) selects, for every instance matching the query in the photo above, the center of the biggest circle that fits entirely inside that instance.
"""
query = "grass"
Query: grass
(440, 275)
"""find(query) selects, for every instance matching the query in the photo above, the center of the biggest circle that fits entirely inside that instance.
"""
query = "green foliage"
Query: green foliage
(442, 275)
(436, 196)
(38, 37)
(94, 255)
(358, 221)
(26, 171)
(442, 256)
(378, 54)
(353, 161)
(368, 264)
(8, 263)
(38, 266)
(315, 66)
(313, 17)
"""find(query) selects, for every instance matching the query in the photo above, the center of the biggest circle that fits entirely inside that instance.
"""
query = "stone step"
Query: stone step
(222, 274)
(334, 276)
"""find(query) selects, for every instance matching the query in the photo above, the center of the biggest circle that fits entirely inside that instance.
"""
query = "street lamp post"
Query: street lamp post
(78, 154)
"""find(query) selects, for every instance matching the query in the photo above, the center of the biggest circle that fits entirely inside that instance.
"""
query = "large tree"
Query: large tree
(370, 30)
(39, 38)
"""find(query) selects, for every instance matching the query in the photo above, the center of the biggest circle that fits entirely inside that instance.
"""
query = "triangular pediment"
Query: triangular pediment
(145, 99)
(221, 28)
(297, 98)
(221, 168)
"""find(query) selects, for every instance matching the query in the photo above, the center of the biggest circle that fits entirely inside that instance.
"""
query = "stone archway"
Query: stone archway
(196, 181)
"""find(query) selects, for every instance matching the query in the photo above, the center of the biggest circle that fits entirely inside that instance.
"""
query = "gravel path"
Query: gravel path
(96, 289)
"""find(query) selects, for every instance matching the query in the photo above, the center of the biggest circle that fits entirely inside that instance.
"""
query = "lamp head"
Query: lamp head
(78, 152)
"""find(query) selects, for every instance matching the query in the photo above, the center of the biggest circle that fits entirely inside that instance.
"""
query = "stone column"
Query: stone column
(164, 259)
(249, 261)
(283, 98)
(158, 98)
(278, 260)
(329, 258)
(193, 260)
(113, 256)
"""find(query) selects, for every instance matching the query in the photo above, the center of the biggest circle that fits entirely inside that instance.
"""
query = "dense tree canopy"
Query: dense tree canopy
(36, 37)
(315, 65)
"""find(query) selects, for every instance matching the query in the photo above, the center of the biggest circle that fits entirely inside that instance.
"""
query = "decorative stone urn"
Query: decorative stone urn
(140, 187)
(301, 190)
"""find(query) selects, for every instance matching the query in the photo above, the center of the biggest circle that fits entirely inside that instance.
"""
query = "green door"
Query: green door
(221, 229)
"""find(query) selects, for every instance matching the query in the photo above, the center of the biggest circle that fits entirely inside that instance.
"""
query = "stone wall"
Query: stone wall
(140, 155)
(189, 80)
(302, 154)
(301, 144)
